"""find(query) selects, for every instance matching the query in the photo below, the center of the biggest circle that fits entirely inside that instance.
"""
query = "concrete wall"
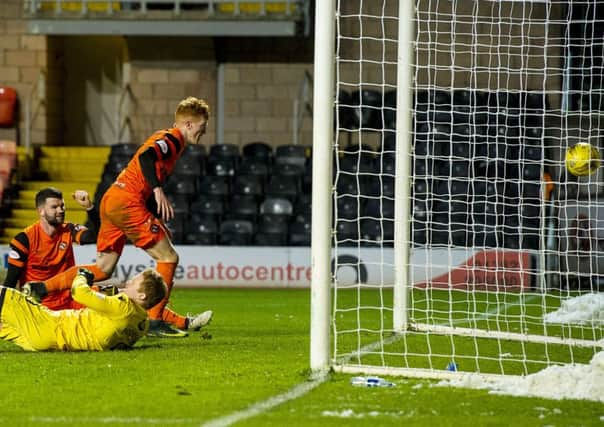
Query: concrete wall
(25, 60)
(259, 103)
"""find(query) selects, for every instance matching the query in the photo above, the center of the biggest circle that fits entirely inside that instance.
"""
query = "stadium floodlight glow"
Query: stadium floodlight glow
(449, 232)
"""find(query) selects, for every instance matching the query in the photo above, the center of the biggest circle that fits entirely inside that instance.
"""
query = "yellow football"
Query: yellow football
(582, 159)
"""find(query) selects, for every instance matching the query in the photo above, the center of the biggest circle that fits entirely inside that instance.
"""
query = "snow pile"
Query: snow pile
(576, 381)
(584, 309)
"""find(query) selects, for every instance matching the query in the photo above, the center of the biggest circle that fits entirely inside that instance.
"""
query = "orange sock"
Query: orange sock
(166, 270)
(174, 318)
(65, 279)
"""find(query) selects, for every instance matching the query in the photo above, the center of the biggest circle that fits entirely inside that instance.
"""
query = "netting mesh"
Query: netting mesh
(500, 233)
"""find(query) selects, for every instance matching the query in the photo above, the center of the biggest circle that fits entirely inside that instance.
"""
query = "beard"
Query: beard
(54, 220)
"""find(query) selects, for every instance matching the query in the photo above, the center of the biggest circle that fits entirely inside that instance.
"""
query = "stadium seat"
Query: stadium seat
(236, 232)
(349, 207)
(197, 151)
(385, 164)
(421, 208)
(303, 204)
(389, 110)
(206, 207)
(275, 210)
(377, 233)
(221, 166)
(271, 233)
(176, 227)
(368, 104)
(242, 206)
(299, 234)
(379, 208)
(114, 166)
(201, 231)
(354, 164)
(347, 184)
(180, 203)
(181, 185)
(254, 166)
(224, 150)
(259, 151)
(307, 178)
(248, 185)
(422, 188)
(346, 117)
(419, 232)
(346, 233)
(214, 186)
(292, 154)
(288, 169)
(189, 166)
(283, 186)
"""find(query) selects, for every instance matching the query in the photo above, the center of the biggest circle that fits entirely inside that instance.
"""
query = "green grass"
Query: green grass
(259, 349)
(505, 312)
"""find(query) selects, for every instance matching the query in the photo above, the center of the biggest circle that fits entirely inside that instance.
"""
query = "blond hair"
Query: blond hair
(154, 287)
(192, 107)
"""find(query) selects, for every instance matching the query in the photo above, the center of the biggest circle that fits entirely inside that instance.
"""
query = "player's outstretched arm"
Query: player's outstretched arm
(110, 305)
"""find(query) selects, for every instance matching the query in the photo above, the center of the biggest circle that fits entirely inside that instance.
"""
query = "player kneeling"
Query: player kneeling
(107, 322)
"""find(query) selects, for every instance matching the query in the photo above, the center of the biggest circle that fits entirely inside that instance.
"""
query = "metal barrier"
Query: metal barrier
(213, 8)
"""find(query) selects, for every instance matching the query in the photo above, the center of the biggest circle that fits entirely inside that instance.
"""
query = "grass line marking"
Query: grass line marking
(303, 388)
(261, 407)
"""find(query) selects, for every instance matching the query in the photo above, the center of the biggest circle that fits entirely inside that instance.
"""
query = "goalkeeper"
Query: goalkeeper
(107, 322)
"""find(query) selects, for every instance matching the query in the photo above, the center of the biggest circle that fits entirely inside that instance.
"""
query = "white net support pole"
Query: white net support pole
(323, 101)
(404, 105)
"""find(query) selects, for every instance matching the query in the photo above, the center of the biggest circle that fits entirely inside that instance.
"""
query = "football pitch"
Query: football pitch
(252, 372)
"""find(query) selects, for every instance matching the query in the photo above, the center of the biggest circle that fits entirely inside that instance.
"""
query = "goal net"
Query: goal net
(459, 241)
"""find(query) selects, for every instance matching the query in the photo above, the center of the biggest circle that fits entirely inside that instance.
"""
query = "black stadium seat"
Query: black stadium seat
(201, 231)
(292, 154)
(248, 185)
(236, 232)
(207, 207)
(260, 151)
(214, 186)
(224, 150)
(243, 207)
(271, 233)
(283, 186)
(275, 210)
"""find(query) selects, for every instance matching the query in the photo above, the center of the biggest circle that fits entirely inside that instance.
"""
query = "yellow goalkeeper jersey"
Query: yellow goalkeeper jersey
(108, 322)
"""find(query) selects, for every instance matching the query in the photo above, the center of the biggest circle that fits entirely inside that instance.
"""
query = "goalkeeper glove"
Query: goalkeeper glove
(35, 290)
(87, 274)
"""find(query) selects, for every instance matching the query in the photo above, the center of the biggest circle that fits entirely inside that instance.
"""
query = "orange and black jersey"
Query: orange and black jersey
(36, 256)
(152, 163)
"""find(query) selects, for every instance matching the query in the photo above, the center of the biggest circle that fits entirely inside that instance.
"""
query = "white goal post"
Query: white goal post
(447, 236)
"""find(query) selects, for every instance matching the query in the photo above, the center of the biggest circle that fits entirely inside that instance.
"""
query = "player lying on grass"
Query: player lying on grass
(125, 215)
(106, 322)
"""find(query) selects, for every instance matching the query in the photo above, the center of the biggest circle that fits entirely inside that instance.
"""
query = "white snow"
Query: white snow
(574, 381)
(584, 309)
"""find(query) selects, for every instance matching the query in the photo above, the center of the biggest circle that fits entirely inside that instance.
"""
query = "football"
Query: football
(582, 159)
